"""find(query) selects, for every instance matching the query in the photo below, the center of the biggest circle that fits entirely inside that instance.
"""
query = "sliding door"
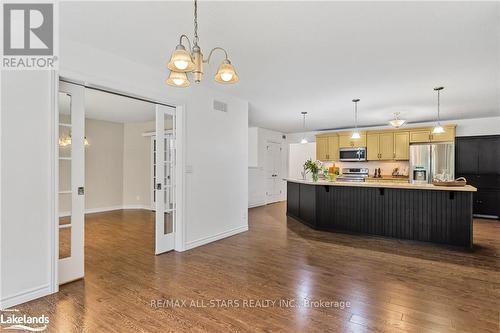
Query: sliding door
(71, 199)
(164, 178)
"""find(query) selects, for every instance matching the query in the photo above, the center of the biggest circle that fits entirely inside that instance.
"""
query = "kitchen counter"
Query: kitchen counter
(397, 185)
(422, 212)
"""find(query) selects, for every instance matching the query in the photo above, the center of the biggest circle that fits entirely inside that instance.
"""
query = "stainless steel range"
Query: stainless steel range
(353, 175)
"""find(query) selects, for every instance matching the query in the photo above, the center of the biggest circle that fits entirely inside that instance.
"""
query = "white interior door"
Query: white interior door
(273, 172)
(71, 170)
(165, 160)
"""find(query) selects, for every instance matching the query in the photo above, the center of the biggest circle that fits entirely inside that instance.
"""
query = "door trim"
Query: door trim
(180, 235)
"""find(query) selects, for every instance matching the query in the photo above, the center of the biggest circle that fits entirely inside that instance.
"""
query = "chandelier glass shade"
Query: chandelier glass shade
(184, 61)
(396, 122)
(181, 61)
(178, 79)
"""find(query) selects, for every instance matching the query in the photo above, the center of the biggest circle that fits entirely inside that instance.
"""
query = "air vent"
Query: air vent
(220, 106)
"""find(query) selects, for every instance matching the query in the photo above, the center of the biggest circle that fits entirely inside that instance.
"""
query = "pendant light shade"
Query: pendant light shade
(226, 73)
(181, 61)
(355, 134)
(178, 79)
(396, 122)
(438, 129)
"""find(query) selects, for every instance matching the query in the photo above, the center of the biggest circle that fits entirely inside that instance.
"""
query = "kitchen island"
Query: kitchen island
(422, 212)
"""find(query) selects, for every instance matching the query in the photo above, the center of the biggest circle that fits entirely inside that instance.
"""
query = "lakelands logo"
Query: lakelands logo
(11, 320)
(28, 36)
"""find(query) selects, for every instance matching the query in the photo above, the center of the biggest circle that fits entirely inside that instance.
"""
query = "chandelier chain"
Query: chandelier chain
(195, 22)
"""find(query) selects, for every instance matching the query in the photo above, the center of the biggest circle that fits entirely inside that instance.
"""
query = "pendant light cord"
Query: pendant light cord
(439, 117)
(356, 115)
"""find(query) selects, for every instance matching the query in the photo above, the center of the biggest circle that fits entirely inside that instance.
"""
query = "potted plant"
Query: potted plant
(312, 167)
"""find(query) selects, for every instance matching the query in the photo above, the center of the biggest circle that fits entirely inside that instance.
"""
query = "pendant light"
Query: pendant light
(355, 134)
(304, 140)
(438, 129)
(396, 122)
(191, 60)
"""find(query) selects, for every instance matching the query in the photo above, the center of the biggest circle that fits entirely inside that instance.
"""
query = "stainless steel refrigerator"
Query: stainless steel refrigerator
(432, 160)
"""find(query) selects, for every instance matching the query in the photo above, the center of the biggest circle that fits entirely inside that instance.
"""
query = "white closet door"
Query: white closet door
(71, 169)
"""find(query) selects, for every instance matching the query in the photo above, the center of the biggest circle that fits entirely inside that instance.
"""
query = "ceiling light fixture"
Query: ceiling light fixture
(438, 129)
(185, 61)
(396, 122)
(355, 134)
(304, 140)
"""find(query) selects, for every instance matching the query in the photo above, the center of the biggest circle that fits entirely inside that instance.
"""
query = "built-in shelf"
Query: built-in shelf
(65, 158)
(65, 192)
(64, 125)
(63, 226)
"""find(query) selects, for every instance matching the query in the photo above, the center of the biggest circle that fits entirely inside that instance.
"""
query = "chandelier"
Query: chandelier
(185, 61)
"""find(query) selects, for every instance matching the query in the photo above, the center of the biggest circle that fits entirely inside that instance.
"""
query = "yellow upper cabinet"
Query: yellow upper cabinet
(426, 135)
(322, 148)
(327, 147)
(380, 146)
(345, 140)
(372, 146)
(386, 146)
(333, 147)
(402, 145)
(420, 135)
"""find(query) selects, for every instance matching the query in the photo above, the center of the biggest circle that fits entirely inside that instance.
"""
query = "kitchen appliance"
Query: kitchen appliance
(352, 154)
(429, 161)
(353, 175)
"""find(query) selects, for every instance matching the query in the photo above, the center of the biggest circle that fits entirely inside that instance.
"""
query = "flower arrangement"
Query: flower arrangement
(313, 167)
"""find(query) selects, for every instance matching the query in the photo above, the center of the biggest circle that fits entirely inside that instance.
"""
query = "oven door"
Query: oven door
(352, 154)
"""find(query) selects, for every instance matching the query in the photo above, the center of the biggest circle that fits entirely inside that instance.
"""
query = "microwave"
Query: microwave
(352, 154)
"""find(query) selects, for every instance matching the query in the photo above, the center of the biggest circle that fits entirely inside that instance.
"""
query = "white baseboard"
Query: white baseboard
(25, 296)
(136, 207)
(256, 204)
(205, 240)
(107, 209)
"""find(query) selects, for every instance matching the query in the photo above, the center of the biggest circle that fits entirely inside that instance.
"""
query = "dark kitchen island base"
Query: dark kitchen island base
(438, 216)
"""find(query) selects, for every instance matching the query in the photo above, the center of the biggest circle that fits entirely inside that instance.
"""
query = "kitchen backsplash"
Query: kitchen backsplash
(385, 166)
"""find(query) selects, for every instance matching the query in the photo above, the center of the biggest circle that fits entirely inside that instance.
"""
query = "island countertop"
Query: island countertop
(466, 188)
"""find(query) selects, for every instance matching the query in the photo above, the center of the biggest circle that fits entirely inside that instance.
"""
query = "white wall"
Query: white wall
(27, 216)
(258, 140)
(103, 165)
(137, 165)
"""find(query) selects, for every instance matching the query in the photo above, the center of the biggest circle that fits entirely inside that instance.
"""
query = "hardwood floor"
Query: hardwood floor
(391, 285)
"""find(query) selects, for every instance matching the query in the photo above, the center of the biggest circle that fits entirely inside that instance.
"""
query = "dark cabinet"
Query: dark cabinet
(489, 156)
(478, 160)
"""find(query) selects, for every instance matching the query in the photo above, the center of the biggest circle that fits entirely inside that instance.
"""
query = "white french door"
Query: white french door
(164, 179)
(71, 170)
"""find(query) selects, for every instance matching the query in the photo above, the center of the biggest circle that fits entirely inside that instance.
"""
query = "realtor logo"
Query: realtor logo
(28, 36)
(28, 29)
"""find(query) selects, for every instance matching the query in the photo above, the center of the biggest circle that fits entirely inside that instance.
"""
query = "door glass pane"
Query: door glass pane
(168, 180)
(64, 242)
(64, 108)
(65, 194)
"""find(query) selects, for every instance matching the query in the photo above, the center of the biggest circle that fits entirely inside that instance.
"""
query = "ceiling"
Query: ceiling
(105, 106)
(318, 56)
